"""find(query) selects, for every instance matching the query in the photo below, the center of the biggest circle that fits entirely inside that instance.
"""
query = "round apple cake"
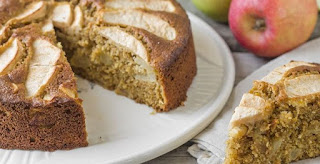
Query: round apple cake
(142, 49)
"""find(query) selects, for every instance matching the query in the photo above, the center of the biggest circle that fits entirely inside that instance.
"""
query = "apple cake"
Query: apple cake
(278, 121)
(142, 49)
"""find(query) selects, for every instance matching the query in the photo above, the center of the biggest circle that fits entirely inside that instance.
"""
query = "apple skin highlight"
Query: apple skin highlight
(270, 28)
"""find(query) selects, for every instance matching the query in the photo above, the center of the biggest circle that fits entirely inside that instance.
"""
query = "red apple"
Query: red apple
(270, 28)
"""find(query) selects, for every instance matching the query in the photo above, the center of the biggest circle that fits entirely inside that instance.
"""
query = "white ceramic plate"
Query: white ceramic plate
(122, 131)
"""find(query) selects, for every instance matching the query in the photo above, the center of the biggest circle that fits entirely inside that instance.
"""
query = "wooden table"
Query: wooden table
(180, 155)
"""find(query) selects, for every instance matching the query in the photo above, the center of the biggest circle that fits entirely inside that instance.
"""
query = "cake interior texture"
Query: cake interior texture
(54, 127)
(279, 121)
(114, 67)
(132, 56)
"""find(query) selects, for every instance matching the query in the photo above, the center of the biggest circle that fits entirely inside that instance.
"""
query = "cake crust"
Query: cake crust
(175, 60)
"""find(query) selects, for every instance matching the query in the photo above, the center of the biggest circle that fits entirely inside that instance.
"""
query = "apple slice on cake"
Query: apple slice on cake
(39, 105)
(278, 121)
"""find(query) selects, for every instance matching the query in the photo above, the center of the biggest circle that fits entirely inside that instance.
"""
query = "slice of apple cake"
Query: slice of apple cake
(278, 121)
(39, 105)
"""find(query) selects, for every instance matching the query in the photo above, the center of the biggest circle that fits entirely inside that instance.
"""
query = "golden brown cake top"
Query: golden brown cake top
(295, 83)
(163, 24)
(12, 8)
(156, 30)
(159, 29)
(8, 9)
(33, 68)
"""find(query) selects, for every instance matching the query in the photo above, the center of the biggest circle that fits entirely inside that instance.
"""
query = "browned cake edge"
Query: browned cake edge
(177, 78)
(52, 127)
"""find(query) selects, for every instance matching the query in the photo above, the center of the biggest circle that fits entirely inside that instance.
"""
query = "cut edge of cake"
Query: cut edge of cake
(138, 32)
(277, 120)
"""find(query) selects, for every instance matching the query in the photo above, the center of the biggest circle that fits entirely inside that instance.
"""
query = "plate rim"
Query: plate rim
(206, 118)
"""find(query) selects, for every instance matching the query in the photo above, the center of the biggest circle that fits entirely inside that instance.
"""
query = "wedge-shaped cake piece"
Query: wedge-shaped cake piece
(39, 105)
(278, 121)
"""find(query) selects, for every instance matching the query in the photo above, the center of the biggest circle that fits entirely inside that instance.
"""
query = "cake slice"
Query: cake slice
(278, 121)
(39, 104)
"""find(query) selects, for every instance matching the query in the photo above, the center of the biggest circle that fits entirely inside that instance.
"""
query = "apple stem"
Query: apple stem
(260, 24)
